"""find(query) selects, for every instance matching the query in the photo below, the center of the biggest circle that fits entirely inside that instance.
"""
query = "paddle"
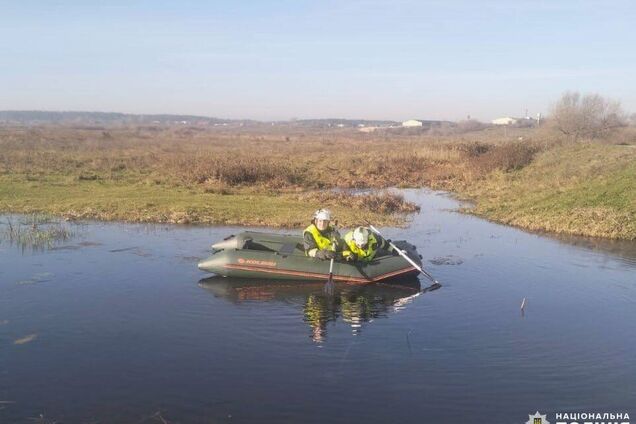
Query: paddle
(405, 256)
(329, 285)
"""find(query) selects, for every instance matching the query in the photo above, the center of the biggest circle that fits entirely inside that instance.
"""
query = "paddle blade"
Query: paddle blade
(432, 287)
(329, 286)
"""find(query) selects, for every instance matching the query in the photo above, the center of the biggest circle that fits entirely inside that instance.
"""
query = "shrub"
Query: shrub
(473, 149)
(382, 201)
(236, 171)
(506, 157)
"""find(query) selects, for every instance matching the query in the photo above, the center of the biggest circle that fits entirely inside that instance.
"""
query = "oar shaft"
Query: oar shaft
(404, 255)
(329, 285)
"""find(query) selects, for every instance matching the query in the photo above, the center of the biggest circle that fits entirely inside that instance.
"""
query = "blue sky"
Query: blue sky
(315, 59)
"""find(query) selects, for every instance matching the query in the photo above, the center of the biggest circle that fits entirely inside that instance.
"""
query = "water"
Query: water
(118, 325)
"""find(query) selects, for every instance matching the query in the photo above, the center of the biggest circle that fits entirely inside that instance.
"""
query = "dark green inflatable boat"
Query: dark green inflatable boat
(278, 256)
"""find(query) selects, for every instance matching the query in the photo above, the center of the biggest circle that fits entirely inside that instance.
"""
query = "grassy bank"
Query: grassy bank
(585, 189)
(139, 202)
(523, 177)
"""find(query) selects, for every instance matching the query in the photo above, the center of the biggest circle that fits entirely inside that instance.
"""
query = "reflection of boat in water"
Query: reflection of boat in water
(276, 256)
(354, 304)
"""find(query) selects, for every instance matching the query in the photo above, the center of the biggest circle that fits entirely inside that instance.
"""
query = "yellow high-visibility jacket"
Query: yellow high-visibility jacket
(314, 240)
(375, 243)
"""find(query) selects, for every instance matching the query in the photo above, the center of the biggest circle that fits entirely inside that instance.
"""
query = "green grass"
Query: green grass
(141, 202)
(578, 189)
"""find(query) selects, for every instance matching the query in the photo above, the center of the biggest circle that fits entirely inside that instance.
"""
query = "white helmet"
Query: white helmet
(323, 214)
(361, 236)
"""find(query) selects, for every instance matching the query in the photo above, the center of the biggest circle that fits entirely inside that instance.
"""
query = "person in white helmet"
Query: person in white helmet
(361, 244)
(320, 239)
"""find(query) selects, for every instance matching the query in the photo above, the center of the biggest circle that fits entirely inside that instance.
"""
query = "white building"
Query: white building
(504, 121)
(412, 123)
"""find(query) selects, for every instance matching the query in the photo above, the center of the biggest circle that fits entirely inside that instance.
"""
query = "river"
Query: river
(117, 325)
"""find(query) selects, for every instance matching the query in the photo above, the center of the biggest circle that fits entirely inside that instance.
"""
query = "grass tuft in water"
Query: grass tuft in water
(35, 231)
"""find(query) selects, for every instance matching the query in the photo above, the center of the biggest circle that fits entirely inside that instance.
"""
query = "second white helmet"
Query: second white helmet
(361, 236)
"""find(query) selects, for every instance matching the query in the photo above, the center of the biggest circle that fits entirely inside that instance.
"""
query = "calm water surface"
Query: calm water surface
(119, 326)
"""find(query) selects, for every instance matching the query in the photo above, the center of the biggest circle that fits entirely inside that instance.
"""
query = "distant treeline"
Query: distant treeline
(336, 122)
(36, 117)
(31, 117)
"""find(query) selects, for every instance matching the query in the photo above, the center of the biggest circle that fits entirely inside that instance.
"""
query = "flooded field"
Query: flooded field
(117, 324)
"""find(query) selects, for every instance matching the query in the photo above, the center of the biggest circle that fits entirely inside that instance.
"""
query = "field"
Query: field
(278, 176)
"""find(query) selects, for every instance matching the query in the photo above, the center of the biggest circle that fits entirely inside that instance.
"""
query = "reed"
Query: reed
(35, 231)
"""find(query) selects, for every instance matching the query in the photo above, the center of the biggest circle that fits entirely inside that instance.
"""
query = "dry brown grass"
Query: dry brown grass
(224, 161)
(383, 201)
(276, 177)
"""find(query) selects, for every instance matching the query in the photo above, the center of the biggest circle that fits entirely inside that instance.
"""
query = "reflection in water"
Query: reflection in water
(354, 304)
(623, 250)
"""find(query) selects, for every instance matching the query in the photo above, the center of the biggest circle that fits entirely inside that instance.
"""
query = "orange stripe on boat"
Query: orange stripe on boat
(317, 275)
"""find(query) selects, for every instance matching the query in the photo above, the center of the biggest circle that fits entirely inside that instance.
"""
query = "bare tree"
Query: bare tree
(588, 116)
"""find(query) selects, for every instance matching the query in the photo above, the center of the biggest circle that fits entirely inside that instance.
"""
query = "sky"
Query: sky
(272, 60)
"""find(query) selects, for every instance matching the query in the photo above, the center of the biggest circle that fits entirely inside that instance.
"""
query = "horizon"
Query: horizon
(280, 60)
(218, 117)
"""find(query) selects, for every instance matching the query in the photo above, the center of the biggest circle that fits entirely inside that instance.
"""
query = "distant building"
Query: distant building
(412, 123)
(507, 120)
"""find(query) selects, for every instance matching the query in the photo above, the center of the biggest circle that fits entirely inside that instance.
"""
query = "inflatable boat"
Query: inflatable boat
(281, 257)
